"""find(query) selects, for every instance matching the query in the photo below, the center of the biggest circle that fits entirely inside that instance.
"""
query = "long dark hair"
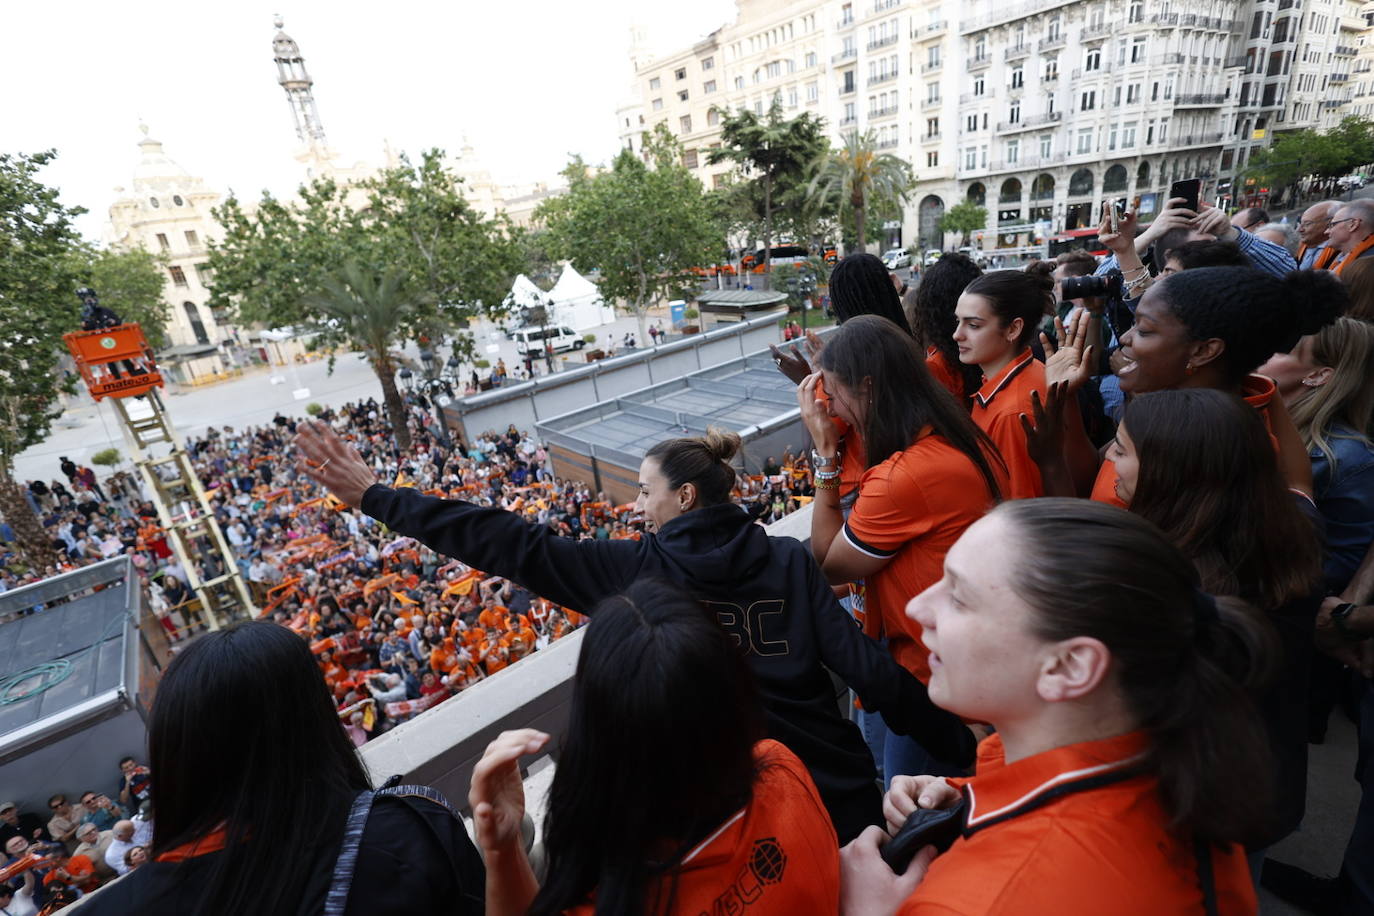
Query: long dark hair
(906, 399)
(1253, 313)
(659, 749)
(1210, 481)
(1026, 294)
(861, 285)
(703, 461)
(1184, 662)
(933, 320)
(244, 734)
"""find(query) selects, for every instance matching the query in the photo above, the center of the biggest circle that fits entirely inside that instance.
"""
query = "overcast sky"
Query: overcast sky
(527, 83)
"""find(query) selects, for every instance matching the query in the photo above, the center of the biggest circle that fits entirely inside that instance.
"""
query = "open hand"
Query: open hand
(1045, 427)
(1124, 237)
(1174, 216)
(497, 794)
(1069, 358)
(791, 364)
(331, 462)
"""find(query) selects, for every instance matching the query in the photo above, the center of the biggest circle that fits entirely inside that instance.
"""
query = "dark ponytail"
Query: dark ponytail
(1026, 294)
(702, 461)
(1185, 662)
(1253, 313)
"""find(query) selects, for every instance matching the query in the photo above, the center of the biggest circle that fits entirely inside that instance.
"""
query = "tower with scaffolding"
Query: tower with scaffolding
(116, 362)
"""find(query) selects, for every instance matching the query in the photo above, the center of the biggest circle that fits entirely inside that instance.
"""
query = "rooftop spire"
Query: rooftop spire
(295, 79)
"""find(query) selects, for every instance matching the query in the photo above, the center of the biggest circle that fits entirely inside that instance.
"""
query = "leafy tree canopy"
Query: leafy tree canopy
(964, 217)
(130, 283)
(642, 226)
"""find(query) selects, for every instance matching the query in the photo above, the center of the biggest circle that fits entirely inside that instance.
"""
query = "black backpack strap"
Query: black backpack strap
(434, 795)
(1202, 852)
(342, 880)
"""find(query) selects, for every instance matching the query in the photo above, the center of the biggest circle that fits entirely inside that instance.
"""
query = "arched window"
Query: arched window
(977, 193)
(1115, 179)
(929, 213)
(1043, 187)
(1011, 192)
(1081, 183)
(197, 326)
(1142, 176)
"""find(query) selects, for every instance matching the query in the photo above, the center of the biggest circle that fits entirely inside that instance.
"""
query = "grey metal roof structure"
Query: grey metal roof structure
(72, 661)
(747, 395)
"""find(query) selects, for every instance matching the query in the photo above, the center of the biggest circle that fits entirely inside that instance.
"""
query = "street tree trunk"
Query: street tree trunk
(856, 201)
(34, 544)
(395, 407)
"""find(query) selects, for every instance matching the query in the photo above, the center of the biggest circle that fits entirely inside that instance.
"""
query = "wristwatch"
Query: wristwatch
(1339, 616)
(818, 462)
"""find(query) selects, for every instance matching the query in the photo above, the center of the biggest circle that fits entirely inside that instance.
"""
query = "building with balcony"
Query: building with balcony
(1041, 110)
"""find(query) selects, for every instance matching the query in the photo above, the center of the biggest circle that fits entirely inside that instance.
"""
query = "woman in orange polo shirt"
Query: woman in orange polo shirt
(665, 799)
(930, 474)
(997, 317)
(1128, 767)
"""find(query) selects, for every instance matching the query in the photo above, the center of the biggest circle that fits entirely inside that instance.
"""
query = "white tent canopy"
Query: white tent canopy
(524, 294)
(577, 302)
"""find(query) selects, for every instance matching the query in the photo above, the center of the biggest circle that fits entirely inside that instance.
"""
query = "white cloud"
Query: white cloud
(526, 83)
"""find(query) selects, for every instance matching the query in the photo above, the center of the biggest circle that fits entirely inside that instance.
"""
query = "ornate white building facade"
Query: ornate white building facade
(1039, 110)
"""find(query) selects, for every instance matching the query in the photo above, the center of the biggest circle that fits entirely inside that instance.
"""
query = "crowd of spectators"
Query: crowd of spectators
(49, 863)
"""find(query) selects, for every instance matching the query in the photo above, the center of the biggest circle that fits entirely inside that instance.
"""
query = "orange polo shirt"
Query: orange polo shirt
(1257, 390)
(776, 855)
(1073, 831)
(944, 373)
(910, 511)
(494, 616)
(997, 409)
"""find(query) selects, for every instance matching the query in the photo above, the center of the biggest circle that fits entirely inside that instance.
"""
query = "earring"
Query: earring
(1189, 369)
(1310, 383)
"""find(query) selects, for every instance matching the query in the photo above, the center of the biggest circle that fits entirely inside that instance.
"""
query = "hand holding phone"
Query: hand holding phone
(1190, 190)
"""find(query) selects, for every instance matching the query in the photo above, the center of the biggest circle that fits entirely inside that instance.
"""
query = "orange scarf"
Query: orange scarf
(1324, 257)
(211, 842)
(1354, 255)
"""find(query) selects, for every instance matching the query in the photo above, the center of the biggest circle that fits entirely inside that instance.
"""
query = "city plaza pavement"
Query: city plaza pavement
(254, 398)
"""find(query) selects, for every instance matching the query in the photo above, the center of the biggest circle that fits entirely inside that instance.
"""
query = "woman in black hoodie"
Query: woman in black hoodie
(766, 592)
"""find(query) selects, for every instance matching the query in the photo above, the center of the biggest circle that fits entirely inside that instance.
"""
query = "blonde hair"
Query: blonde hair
(1347, 347)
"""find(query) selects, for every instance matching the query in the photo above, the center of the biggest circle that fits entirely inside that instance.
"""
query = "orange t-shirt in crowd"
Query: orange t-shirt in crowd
(997, 409)
(1257, 390)
(494, 616)
(1073, 831)
(910, 511)
(944, 373)
(778, 855)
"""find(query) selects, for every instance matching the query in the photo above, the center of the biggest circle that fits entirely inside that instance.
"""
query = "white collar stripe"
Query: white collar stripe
(712, 838)
(974, 818)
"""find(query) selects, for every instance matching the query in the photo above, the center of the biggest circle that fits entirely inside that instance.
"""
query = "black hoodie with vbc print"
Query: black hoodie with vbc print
(767, 592)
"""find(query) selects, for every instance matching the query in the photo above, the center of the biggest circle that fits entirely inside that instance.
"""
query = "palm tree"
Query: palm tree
(861, 175)
(371, 311)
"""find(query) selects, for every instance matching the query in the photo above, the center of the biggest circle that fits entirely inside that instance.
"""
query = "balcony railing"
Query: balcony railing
(884, 78)
(882, 42)
(845, 22)
(1340, 77)
(969, 97)
(1200, 100)
(1051, 117)
(1165, 20)
(1016, 52)
(1173, 57)
(1094, 32)
(1054, 41)
(885, 144)
(979, 63)
(1346, 51)
(930, 68)
(930, 30)
(887, 112)
(846, 54)
(932, 138)
(1196, 140)
(848, 122)
(849, 89)
(929, 103)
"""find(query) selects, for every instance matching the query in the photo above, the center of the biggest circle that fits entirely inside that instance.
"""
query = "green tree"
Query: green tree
(37, 306)
(644, 228)
(371, 310)
(536, 253)
(861, 177)
(407, 232)
(772, 154)
(129, 282)
(1300, 154)
(965, 217)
